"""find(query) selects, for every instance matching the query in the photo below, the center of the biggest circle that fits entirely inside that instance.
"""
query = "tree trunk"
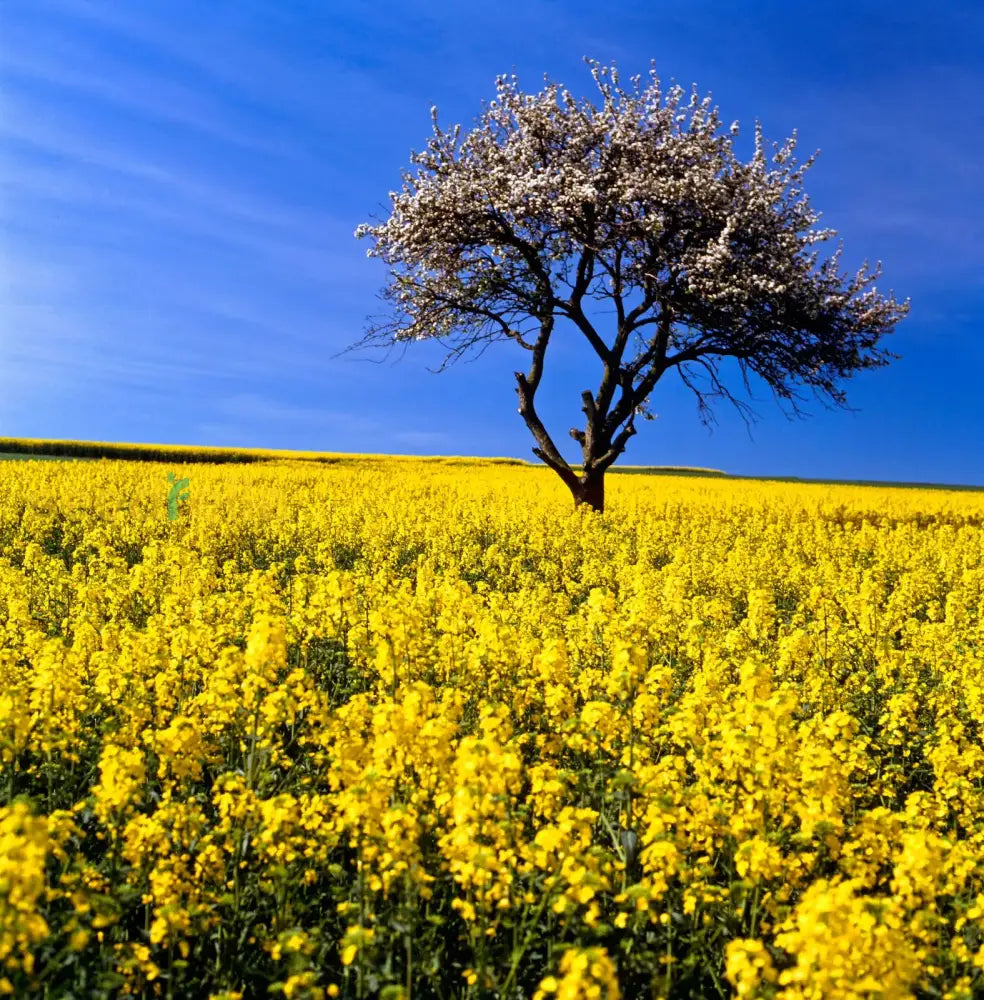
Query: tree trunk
(590, 490)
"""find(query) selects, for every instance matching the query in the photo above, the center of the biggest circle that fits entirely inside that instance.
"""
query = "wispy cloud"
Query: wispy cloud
(256, 409)
(254, 66)
(136, 91)
(422, 439)
(61, 136)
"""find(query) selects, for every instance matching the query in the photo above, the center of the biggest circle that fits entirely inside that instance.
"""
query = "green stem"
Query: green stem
(669, 954)
(360, 984)
(408, 937)
(754, 913)
(517, 955)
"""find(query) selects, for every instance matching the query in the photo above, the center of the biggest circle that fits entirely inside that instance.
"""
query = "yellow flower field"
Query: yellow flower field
(413, 730)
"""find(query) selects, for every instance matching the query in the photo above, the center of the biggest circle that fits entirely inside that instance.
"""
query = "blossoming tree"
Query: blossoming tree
(553, 204)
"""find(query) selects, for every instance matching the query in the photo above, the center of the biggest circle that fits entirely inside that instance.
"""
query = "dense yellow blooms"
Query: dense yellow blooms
(411, 729)
(587, 974)
(23, 852)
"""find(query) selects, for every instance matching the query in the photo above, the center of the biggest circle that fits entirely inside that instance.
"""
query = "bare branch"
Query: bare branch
(526, 386)
(618, 446)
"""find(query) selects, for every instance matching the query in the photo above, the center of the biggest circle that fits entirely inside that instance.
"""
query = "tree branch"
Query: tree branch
(618, 446)
(526, 386)
(654, 358)
(475, 310)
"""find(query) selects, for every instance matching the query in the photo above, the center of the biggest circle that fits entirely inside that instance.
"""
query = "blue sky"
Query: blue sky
(180, 182)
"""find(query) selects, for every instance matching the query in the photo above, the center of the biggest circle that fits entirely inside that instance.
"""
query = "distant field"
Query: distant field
(13, 456)
(19, 449)
(669, 471)
(25, 448)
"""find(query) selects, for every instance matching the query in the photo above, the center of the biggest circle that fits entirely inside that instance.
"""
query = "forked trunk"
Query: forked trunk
(590, 490)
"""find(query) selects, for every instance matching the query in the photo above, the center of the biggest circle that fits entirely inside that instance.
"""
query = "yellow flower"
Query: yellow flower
(847, 944)
(355, 939)
(24, 849)
(747, 965)
(585, 974)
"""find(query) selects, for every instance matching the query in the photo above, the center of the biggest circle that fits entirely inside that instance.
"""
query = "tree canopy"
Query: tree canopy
(552, 204)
